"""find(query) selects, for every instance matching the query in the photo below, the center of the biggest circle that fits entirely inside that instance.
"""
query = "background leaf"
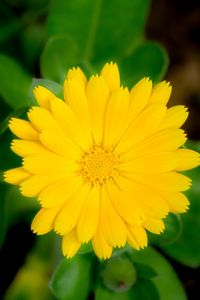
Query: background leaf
(148, 59)
(60, 53)
(3, 223)
(145, 290)
(186, 248)
(8, 159)
(144, 271)
(101, 29)
(172, 232)
(166, 281)
(104, 294)
(15, 83)
(53, 86)
(71, 279)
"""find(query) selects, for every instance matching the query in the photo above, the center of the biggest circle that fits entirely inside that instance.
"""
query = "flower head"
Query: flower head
(105, 162)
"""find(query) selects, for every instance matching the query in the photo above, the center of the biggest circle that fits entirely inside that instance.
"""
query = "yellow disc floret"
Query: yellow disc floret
(99, 164)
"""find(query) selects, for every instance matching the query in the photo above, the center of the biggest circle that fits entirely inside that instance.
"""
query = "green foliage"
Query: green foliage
(85, 33)
(7, 158)
(32, 39)
(156, 278)
(53, 86)
(172, 232)
(2, 213)
(14, 83)
(14, 208)
(103, 294)
(31, 280)
(145, 290)
(147, 59)
(101, 29)
(119, 274)
(86, 248)
(144, 271)
(167, 283)
(71, 279)
(186, 248)
(62, 52)
(104, 31)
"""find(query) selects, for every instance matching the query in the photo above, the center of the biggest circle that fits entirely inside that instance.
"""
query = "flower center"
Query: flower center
(99, 165)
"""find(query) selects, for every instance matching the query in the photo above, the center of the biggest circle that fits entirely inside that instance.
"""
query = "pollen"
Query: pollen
(99, 165)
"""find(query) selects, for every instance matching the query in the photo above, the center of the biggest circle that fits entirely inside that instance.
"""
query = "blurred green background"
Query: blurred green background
(39, 41)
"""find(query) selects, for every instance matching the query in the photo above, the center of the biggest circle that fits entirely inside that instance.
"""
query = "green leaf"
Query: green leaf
(3, 223)
(190, 144)
(71, 279)
(167, 283)
(14, 208)
(8, 159)
(9, 29)
(104, 29)
(119, 274)
(32, 39)
(18, 207)
(149, 59)
(186, 248)
(14, 83)
(53, 86)
(86, 248)
(104, 294)
(60, 53)
(173, 230)
(16, 113)
(97, 37)
(144, 271)
(145, 290)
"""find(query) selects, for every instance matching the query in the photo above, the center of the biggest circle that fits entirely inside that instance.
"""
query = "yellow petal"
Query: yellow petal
(156, 226)
(166, 140)
(169, 181)
(139, 96)
(116, 114)
(161, 93)
(110, 73)
(43, 221)
(15, 176)
(69, 123)
(32, 186)
(97, 94)
(151, 203)
(188, 159)
(178, 202)
(58, 192)
(42, 119)
(102, 249)
(143, 126)
(25, 147)
(89, 216)
(70, 244)
(69, 214)
(112, 225)
(78, 75)
(59, 143)
(75, 96)
(175, 117)
(49, 164)
(137, 237)
(43, 96)
(125, 205)
(152, 163)
(23, 129)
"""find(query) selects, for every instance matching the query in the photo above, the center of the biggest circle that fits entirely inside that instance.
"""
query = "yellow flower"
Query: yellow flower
(104, 163)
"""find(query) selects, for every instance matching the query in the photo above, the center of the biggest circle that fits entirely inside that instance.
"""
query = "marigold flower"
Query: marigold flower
(105, 162)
